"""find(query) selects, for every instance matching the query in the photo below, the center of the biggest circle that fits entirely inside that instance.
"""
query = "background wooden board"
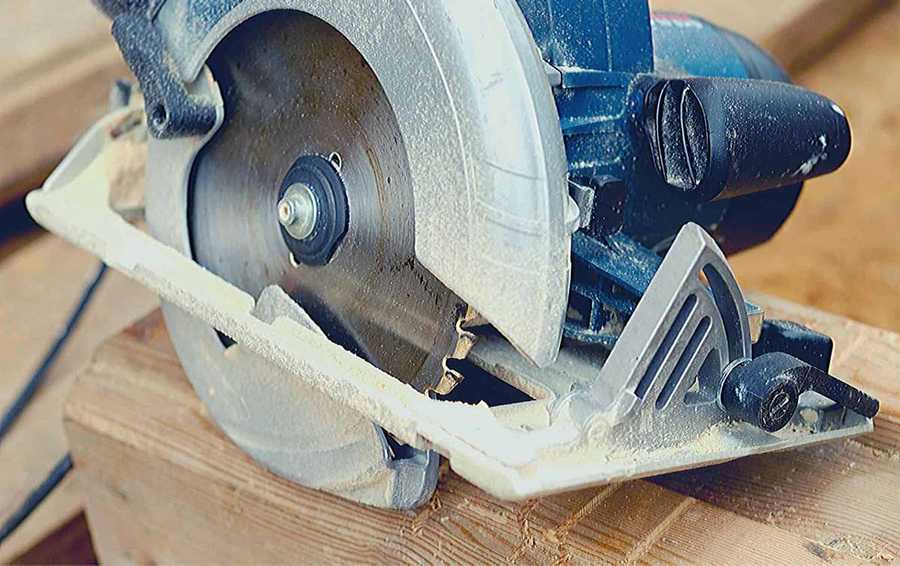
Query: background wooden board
(840, 251)
(56, 67)
(148, 457)
(794, 31)
(38, 288)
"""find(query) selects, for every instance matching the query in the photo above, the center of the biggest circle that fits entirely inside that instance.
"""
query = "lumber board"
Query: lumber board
(794, 32)
(39, 285)
(56, 69)
(148, 457)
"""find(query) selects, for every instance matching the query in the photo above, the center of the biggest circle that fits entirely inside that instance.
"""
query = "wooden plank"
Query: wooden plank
(146, 450)
(834, 494)
(56, 70)
(36, 31)
(39, 286)
(147, 457)
(794, 32)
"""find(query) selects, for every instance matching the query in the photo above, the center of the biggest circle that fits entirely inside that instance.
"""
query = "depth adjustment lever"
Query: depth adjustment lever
(765, 392)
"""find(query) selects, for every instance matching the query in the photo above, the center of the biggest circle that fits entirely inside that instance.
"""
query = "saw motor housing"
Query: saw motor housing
(578, 169)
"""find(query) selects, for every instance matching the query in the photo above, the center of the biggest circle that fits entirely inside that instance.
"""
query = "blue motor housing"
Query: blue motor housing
(611, 54)
(668, 119)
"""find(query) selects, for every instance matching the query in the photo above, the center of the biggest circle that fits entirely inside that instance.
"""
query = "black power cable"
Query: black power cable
(17, 407)
(12, 414)
(36, 497)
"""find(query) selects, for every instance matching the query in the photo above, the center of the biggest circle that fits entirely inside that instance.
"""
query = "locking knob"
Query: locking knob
(765, 392)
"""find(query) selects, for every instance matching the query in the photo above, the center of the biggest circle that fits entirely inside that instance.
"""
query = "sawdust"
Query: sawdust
(127, 170)
(855, 546)
(713, 440)
(879, 453)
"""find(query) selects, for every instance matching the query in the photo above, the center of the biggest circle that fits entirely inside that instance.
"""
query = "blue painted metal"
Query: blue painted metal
(611, 277)
(624, 262)
(599, 46)
(609, 52)
(607, 35)
(606, 52)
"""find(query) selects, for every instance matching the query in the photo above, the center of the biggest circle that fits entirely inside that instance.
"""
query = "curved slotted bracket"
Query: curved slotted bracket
(691, 321)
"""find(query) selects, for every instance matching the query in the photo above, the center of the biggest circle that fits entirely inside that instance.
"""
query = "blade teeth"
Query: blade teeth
(448, 382)
(465, 341)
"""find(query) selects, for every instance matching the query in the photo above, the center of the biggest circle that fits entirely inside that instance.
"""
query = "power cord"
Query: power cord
(17, 407)
(12, 414)
(36, 497)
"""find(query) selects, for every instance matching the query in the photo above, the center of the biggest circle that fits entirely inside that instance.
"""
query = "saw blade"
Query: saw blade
(296, 87)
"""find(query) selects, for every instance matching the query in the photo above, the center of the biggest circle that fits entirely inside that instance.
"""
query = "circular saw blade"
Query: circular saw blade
(294, 86)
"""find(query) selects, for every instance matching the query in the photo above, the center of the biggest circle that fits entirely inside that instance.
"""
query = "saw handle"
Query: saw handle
(765, 392)
(715, 138)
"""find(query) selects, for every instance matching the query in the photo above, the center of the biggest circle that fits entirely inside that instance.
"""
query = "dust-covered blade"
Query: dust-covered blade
(292, 87)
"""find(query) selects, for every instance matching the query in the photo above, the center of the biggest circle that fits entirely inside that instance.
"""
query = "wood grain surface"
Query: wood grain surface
(794, 31)
(840, 251)
(162, 484)
(38, 288)
(57, 65)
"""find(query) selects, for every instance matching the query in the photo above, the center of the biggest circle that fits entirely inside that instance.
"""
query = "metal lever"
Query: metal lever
(765, 392)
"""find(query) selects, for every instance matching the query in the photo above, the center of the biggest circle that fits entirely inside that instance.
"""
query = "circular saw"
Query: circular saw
(389, 232)
(306, 185)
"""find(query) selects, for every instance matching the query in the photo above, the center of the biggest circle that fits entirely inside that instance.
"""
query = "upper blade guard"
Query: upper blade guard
(478, 119)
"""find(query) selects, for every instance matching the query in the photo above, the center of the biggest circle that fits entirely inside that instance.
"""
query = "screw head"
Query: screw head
(287, 214)
(298, 211)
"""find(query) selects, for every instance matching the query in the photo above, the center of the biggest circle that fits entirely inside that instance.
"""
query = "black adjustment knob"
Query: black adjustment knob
(765, 392)
(718, 138)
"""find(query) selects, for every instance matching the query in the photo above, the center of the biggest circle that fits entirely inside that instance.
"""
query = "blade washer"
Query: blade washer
(317, 177)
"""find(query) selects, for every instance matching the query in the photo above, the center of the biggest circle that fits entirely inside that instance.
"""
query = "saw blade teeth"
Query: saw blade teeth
(449, 381)
(472, 319)
(465, 341)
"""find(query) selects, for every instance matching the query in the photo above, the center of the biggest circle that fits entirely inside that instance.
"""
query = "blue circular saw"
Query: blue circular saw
(391, 231)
